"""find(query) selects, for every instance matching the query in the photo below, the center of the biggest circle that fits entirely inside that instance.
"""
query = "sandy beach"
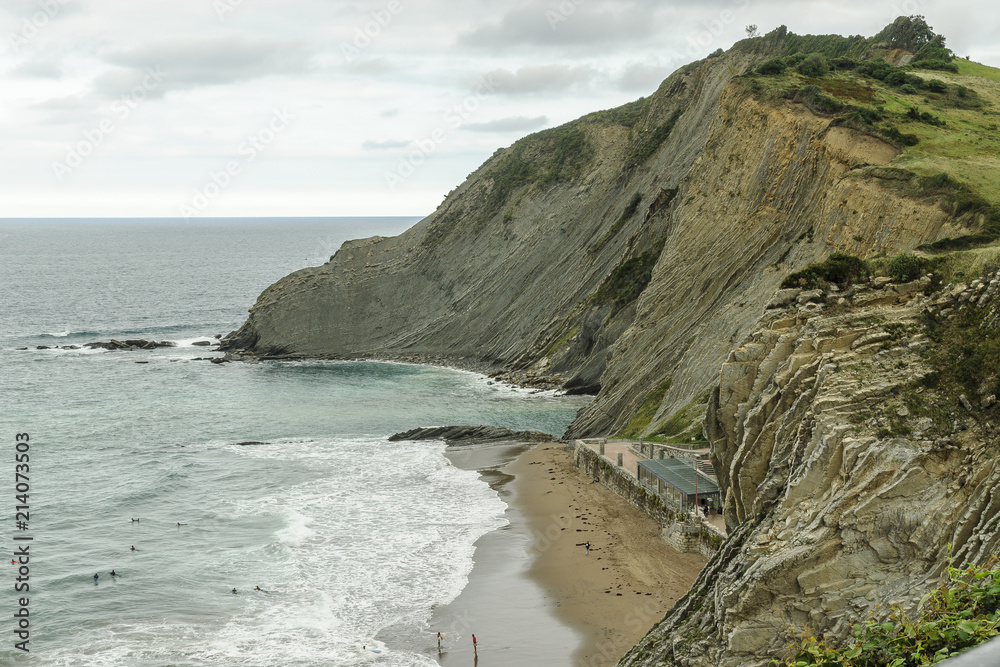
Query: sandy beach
(535, 596)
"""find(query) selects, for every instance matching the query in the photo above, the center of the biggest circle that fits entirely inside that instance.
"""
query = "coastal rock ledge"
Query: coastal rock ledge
(467, 435)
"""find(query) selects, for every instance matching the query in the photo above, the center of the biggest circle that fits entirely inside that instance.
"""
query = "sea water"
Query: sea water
(347, 532)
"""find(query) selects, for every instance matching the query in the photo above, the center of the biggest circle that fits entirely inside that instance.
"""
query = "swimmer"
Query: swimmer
(133, 547)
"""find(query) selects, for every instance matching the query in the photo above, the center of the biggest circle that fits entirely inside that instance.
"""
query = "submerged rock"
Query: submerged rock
(472, 435)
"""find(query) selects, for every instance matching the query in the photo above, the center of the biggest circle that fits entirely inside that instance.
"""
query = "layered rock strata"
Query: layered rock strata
(850, 479)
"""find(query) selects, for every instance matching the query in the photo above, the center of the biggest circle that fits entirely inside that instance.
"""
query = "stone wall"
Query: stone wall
(680, 534)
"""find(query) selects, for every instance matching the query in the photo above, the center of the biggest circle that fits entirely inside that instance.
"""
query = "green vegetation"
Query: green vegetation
(630, 278)
(645, 148)
(905, 268)
(813, 65)
(965, 357)
(645, 413)
(838, 268)
(625, 217)
(684, 424)
(960, 614)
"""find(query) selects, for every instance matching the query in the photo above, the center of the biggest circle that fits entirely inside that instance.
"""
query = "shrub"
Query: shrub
(937, 86)
(772, 66)
(959, 615)
(813, 65)
(908, 89)
(838, 268)
(876, 69)
(905, 268)
(962, 92)
(794, 59)
(893, 134)
(845, 63)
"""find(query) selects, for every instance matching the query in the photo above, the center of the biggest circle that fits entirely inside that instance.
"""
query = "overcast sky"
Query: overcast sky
(215, 108)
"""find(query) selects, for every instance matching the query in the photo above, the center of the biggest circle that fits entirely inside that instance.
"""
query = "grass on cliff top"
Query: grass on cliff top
(962, 141)
(960, 614)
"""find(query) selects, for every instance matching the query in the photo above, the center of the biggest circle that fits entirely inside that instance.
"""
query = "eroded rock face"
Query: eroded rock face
(739, 195)
(841, 499)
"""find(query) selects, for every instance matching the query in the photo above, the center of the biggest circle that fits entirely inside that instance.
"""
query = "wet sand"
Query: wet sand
(535, 597)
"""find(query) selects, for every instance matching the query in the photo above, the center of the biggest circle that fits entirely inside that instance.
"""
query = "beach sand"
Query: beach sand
(535, 597)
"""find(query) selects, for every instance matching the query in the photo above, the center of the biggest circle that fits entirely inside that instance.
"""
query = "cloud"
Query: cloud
(193, 62)
(39, 68)
(372, 145)
(511, 124)
(541, 79)
(644, 77)
(618, 25)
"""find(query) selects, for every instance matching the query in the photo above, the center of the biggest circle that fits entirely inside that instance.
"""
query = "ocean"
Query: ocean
(346, 533)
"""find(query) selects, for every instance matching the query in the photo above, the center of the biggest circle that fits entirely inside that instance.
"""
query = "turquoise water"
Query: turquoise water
(347, 532)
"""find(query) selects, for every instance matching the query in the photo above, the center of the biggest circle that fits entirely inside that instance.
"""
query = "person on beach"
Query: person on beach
(587, 547)
(475, 646)
(439, 641)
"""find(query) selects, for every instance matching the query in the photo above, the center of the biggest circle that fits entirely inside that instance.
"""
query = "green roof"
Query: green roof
(679, 474)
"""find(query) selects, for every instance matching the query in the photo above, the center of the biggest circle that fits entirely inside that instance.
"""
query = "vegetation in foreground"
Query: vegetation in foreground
(962, 613)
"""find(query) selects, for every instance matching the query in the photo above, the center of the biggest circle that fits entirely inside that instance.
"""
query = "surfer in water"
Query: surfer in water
(181, 524)
(135, 520)
(133, 547)
(95, 577)
(113, 573)
(258, 588)
(234, 592)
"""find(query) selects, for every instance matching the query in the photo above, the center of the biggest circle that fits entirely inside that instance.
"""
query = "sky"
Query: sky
(219, 108)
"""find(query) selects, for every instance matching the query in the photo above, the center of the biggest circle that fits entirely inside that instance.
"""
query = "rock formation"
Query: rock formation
(853, 471)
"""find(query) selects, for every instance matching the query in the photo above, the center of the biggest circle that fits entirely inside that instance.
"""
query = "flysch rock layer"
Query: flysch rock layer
(741, 193)
(840, 502)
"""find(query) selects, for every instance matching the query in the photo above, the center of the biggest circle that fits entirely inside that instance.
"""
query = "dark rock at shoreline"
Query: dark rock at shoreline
(43, 347)
(202, 343)
(129, 345)
(465, 435)
(247, 443)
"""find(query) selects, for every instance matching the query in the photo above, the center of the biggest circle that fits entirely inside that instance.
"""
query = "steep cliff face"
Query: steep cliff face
(622, 254)
(506, 270)
(852, 469)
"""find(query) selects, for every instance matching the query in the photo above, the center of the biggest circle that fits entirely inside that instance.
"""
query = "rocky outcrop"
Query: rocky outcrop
(466, 435)
(850, 477)
(130, 345)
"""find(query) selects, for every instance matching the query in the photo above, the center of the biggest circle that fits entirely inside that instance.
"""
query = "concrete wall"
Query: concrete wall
(678, 533)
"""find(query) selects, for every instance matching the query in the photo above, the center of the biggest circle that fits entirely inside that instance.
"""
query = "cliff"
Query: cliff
(637, 251)
(856, 433)
(622, 254)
